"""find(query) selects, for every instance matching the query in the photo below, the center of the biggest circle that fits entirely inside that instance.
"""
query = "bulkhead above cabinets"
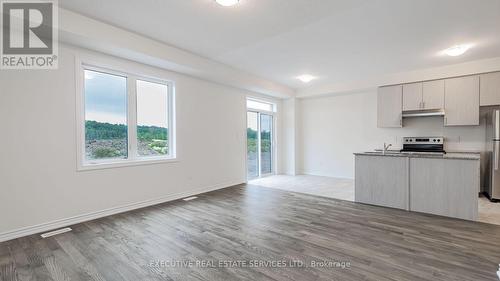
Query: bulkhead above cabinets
(457, 99)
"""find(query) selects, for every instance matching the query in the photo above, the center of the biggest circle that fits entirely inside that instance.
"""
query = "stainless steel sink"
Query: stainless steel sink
(393, 152)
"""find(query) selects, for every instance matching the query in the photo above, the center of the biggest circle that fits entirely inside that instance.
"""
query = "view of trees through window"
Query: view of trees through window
(266, 156)
(255, 122)
(152, 118)
(105, 116)
(106, 129)
(252, 145)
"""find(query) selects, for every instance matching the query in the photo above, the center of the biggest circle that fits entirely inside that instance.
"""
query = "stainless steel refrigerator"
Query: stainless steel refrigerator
(492, 170)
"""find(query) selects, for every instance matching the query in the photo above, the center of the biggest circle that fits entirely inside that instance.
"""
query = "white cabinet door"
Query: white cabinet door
(490, 89)
(433, 94)
(412, 96)
(446, 187)
(389, 107)
(382, 181)
(461, 101)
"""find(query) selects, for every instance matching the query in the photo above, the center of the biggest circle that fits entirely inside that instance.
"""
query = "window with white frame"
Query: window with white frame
(260, 105)
(124, 118)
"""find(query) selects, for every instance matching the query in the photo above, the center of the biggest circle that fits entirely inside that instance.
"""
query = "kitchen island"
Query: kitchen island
(440, 184)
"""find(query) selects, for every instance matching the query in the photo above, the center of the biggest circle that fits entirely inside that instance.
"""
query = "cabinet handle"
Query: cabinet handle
(423, 104)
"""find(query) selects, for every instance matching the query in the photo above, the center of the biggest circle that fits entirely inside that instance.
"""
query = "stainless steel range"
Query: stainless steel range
(423, 144)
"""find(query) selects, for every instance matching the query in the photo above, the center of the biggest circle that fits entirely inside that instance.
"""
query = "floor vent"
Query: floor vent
(56, 232)
(190, 198)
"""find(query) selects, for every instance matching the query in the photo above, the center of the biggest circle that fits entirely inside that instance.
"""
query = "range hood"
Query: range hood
(423, 113)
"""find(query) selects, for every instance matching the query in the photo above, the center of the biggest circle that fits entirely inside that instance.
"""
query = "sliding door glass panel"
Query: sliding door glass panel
(105, 116)
(252, 145)
(266, 153)
(152, 119)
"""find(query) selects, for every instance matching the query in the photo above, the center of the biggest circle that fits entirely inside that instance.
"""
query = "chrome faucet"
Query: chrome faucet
(386, 147)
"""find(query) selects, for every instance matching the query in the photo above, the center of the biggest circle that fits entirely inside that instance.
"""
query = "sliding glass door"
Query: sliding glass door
(260, 151)
(266, 144)
(252, 145)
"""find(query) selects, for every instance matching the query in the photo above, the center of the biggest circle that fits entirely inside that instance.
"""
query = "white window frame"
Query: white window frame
(133, 159)
(272, 104)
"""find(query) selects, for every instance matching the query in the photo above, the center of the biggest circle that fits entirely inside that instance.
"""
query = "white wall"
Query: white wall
(334, 127)
(39, 182)
(289, 128)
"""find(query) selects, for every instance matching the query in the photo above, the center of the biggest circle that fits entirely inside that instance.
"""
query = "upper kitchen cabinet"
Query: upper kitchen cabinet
(423, 95)
(390, 106)
(461, 102)
(490, 89)
(433, 94)
(412, 96)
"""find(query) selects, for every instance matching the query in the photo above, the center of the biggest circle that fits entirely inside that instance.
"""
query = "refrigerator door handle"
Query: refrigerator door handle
(495, 153)
(497, 124)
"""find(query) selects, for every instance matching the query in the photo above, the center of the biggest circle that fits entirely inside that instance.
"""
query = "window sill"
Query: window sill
(124, 163)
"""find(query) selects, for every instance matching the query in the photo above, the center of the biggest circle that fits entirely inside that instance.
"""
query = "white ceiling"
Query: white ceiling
(336, 40)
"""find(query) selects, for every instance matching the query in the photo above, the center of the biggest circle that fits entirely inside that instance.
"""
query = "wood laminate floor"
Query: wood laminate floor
(336, 188)
(252, 233)
(343, 189)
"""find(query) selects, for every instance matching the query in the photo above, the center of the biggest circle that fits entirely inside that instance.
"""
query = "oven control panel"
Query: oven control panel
(423, 140)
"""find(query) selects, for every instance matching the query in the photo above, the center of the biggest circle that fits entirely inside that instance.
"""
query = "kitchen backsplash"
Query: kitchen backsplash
(461, 138)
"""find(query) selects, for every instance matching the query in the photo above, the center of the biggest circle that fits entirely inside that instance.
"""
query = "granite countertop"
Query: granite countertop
(449, 155)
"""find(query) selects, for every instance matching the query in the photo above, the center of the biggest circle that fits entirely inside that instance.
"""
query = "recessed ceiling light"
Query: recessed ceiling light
(227, 3)
(306, 78)
(457, 50)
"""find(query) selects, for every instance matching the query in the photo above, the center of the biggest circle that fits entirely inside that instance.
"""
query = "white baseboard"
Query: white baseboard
(30, 230)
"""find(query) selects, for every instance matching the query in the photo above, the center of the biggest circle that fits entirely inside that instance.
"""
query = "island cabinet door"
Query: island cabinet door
(382, 181)
(446, 187)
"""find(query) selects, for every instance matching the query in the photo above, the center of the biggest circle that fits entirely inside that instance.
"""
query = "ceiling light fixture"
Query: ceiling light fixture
(306, 78)
(227, 3)
(457, 50)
